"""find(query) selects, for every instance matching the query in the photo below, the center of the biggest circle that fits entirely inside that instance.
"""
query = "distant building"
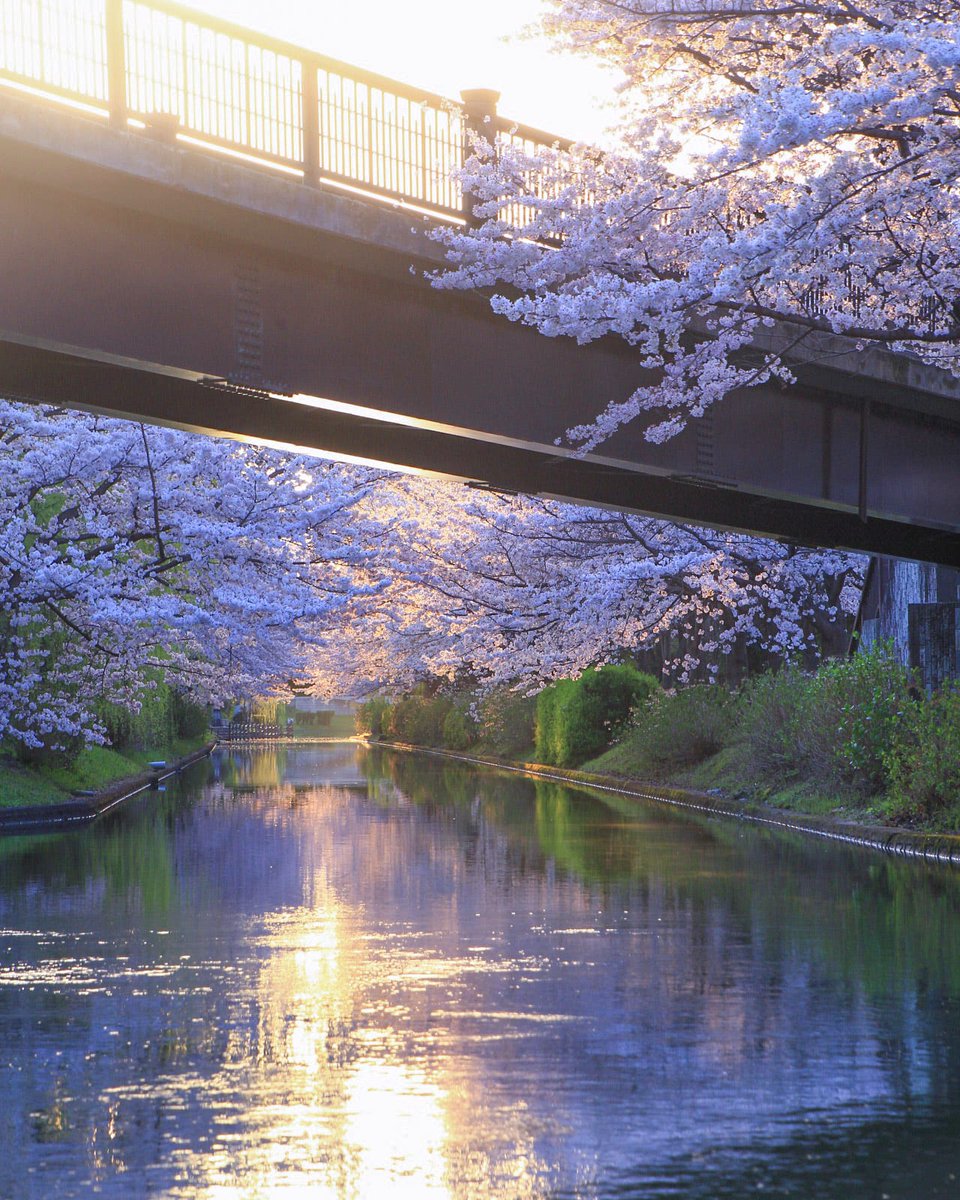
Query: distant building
(342, 705)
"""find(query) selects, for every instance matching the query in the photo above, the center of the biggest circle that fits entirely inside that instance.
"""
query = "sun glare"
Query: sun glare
(433, 44)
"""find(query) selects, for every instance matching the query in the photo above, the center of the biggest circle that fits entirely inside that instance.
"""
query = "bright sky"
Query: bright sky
(444, 46)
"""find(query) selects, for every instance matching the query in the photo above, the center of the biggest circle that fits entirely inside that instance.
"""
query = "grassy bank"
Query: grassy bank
(730, 772)
(855, 739)
(94, 768)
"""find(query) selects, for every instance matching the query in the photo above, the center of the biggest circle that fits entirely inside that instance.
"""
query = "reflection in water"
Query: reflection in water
(407, 978)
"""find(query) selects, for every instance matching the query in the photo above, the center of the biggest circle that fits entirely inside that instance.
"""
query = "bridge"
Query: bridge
(212, 229)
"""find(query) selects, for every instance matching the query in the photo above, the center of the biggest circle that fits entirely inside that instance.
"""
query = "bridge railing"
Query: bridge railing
(160, 66)
(246, 731)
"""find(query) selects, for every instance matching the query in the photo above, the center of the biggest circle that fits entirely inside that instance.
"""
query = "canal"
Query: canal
(348, 974)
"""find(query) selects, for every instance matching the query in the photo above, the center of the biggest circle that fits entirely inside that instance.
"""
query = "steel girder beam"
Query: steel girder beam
(41, 373)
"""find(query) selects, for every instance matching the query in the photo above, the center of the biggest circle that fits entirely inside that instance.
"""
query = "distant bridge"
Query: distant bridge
(212, 229)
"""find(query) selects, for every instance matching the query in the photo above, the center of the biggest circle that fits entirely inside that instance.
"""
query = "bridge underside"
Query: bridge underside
(149, 281)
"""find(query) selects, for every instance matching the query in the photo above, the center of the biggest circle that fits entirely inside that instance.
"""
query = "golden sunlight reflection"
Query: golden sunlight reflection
(395, 1133)
(343, 1077)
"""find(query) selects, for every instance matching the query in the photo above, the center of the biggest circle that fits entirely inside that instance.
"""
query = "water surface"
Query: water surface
(331, 972)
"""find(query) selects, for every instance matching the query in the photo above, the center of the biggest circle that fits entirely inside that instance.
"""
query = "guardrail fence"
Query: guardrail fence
(246, 731)
(159, 66)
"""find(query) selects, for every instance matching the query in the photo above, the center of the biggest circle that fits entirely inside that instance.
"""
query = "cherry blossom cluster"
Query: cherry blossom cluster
(779, 171)
(126, 549)
(129, 553)
(504, 589)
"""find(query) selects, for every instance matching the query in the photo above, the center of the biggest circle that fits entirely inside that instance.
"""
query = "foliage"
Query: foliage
(459, 729)
(150, 723)
(190, 720)
(268, 710)
(313, 721)
(834, 727)
(130, 555)
(506, 588)
(547, 746)
(675, 729)
(577, 718)
(923, 763)
(770, 714)
(506, 718)
(371, 717)
(419, 718)
(161, 715)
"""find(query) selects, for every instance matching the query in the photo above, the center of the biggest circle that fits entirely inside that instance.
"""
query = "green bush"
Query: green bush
(372, 717)
(154, 724)
(685, 727)
(872, 696)
(459, 729)
(190, 720)
(419, 718)
(507, 721)
(548, 739)
(164, 716)
(770, 709)
(833, 727)
(578, 718)
(269, 711)
(923, 762)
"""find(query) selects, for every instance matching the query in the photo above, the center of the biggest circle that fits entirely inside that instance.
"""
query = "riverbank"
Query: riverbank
(849, 827)
(856, 739)
(52, 805)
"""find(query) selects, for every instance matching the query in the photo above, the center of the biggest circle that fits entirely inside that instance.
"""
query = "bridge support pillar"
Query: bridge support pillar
(916, 607)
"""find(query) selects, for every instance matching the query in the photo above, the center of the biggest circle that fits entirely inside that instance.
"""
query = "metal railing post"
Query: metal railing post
(310, 120)
(116, 62)
(479, 117)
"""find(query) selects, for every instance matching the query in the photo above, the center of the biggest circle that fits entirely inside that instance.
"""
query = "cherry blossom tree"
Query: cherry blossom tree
(785, 171)
(126, 549)
(510, 589)
(128, 552)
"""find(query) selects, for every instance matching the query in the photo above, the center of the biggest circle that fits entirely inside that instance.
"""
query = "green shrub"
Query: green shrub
(770, 709)
(871, 694)
(548, 725)
(685, 727)
(190, 720)
(507, 721)
(923, 762)
(578, 718)
(459, 729)
(419, 718)
(372, 717)
(154, 725)
(833, 727)
(269, 711)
